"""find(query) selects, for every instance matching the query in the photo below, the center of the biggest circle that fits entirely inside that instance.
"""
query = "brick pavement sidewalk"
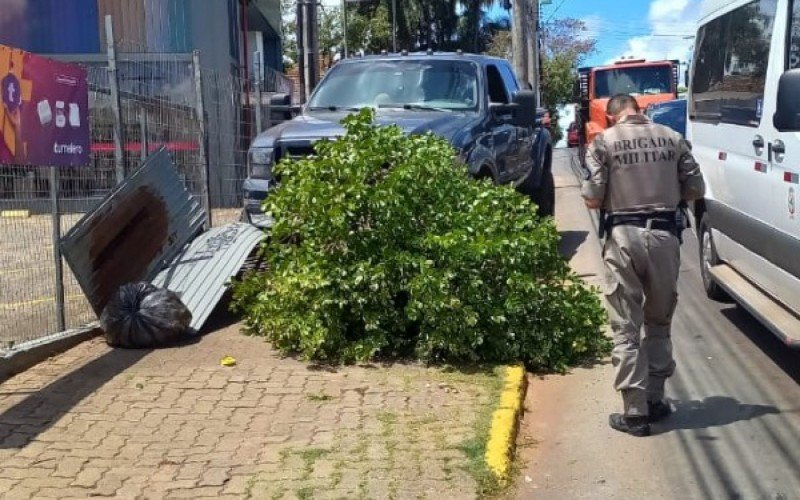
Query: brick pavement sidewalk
(173, 423)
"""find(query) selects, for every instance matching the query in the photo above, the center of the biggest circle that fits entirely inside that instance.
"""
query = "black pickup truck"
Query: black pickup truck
(473, 101)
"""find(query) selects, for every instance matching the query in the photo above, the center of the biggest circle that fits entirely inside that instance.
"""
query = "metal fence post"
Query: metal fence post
(259, 84)
(116, 105)
(61, 321)
(143, 130)
(202, 139)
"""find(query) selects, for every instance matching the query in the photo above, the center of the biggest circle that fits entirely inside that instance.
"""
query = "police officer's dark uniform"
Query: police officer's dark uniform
(639, 173)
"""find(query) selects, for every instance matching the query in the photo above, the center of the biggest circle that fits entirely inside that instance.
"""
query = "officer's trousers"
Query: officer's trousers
(641, 275)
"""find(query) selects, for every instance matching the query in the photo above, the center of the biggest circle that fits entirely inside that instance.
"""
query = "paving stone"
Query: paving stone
(176, 425)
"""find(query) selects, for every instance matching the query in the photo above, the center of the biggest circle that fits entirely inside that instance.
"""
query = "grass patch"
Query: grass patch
(305, 493)
(309, 457)
(319, 397)
(475, 447)
(277, 495)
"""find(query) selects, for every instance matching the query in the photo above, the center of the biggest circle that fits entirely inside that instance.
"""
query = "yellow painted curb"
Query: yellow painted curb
(505, 424)
(22, 214)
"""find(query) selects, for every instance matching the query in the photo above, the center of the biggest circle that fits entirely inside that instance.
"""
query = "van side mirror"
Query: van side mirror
(787, 116)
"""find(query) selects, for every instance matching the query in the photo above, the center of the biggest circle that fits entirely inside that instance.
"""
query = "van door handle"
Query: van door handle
(758, 143)
(778, 147)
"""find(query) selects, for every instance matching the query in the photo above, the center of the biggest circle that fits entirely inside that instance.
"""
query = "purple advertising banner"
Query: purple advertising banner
(44, 111)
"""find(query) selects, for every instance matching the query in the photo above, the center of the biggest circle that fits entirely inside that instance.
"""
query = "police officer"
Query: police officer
(638, 174)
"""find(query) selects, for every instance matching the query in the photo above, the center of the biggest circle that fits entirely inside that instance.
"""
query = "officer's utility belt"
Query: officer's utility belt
(663, 221)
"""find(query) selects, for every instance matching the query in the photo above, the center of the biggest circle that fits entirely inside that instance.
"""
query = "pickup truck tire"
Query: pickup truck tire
(545, 195)
(709, 259)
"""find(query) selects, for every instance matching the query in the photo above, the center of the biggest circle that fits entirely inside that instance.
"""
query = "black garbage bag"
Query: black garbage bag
(141, 315)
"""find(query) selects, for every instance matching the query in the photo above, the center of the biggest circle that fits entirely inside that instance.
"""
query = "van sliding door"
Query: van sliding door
(730, 123)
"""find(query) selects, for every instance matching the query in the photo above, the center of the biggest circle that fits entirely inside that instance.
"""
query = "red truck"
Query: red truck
(649, 82)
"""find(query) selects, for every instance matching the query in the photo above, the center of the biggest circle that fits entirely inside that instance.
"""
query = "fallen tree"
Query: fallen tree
(383, 246)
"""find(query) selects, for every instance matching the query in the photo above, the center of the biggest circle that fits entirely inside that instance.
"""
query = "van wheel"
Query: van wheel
(709, 259)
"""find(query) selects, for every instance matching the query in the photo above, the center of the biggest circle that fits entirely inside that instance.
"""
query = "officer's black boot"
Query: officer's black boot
(635, 426)
(658, 410)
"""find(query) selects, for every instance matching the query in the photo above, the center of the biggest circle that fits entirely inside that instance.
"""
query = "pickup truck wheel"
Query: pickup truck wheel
(709, 259)
(545, 195)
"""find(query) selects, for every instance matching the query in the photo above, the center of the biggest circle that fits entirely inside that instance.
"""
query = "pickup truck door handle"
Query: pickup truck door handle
(758, 143)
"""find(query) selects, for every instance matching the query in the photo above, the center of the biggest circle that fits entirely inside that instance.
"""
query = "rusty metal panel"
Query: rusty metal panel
(201, 272)
(130, 236)
(129, 20)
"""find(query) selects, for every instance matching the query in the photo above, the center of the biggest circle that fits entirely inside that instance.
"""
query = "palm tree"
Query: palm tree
(476, 20)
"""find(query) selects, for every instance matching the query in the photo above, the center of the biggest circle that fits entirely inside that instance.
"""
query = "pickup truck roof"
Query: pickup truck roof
(446, 56)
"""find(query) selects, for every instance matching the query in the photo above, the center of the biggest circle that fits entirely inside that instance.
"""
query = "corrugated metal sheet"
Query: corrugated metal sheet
(202, 270)
(130, 236)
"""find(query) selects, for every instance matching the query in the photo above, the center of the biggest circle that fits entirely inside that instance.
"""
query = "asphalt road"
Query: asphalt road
(736, 431)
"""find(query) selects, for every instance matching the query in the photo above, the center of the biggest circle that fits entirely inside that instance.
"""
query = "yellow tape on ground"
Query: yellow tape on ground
(22, 214)
(505, 423)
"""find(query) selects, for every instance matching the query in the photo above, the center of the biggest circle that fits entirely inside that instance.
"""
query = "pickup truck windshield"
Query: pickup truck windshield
(409, 84)
(650, 80)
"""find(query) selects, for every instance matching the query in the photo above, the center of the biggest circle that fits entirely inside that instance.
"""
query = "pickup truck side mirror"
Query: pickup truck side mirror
(522, 111)
(787, 116)
(525, 109)
(280, 108)
(501, 111)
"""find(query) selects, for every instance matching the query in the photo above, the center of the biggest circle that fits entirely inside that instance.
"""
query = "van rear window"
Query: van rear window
(730, 66)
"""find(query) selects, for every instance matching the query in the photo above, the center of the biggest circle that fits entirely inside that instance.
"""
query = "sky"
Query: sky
(644, 29)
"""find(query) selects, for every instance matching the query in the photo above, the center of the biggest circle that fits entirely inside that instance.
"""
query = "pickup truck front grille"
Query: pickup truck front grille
(297, 152)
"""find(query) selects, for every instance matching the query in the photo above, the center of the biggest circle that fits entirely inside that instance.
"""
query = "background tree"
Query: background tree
(565, 47)
(421, 25)
(289, 33)
(331, 33)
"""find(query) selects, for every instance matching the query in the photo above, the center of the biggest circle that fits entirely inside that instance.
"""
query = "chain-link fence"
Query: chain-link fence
(139, 102)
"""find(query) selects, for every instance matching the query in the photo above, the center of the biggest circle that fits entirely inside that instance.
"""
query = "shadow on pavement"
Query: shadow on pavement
(715, 411)
(787, 359)
(23, 422)
(571, 241)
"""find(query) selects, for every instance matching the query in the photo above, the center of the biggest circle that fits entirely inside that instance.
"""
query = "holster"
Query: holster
(603, 229)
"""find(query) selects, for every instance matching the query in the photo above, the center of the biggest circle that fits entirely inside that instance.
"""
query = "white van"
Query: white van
(744, 124)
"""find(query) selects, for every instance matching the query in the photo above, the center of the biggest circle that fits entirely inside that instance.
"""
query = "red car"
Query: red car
(572, 135)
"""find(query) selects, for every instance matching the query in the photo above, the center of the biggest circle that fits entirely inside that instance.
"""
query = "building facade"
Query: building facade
(226, 32)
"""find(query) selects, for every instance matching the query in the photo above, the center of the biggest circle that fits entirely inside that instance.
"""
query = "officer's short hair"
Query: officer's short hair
(620, 103)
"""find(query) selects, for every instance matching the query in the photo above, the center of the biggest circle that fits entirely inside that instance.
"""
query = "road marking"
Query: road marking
(10, 306)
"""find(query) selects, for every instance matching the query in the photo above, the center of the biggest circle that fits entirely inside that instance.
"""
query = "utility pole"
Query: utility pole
(344, 26)
(311, 46)
(518, 45)
(394, 26)
(533, 44)
(301, 50)
(307, 46)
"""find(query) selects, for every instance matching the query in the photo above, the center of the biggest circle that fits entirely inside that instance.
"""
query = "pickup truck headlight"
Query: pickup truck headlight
(260, 162)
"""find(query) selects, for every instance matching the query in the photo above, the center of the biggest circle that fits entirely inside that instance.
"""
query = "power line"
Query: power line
(552, 14)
